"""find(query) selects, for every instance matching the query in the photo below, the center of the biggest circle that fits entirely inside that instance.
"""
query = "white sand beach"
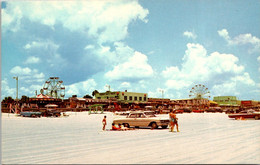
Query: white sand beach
(78, 139)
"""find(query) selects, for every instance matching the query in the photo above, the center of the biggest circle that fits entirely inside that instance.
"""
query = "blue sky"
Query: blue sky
(139, 46)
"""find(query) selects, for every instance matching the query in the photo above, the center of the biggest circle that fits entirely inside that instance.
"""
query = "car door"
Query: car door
(141, 120)
(132, 120)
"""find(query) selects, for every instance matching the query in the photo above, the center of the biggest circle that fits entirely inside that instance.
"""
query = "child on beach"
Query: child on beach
(104, 121)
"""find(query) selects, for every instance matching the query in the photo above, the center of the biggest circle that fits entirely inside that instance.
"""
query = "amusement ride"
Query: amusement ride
(54, 88)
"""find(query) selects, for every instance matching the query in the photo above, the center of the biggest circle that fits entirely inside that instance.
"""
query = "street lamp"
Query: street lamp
(108, 87)
(16, 78)
(161, 90)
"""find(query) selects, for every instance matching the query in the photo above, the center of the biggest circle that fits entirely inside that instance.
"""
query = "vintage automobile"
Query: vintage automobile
(140, 119)
(124, 113)
(214, 109)
(246, 114)
(197, 111)
(30, 114)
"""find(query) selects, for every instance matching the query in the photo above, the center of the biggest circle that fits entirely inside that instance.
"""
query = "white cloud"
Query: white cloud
(198, 67)
(32, 60)
(17, 70)
(125, 85)
(136, 68)
(244, 78)
(27, 75)
(190, 34)
(100, 19)
(89, 47)
(225, 89)
(178, 84)
(159, 93)
(81, 88)
(45, 51)
(31, 90)
(6, 90)
(47, 44)
(120, 53)
(224, 33)
(242, 39)
(11, 19)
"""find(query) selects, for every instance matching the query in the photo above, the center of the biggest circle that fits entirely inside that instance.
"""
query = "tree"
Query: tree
(87, 96)
(25, 99)
(94, 92)
(8, 99)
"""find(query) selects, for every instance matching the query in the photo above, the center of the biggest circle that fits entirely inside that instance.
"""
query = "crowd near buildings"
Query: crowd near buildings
(124, 100)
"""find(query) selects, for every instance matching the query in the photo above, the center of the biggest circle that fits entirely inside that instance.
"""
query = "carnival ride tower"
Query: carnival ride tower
(54, 88)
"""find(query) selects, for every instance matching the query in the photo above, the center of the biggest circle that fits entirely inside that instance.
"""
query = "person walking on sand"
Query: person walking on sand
(173, 121)
(104, 121)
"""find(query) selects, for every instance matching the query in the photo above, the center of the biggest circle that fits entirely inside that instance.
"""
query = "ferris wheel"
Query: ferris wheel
(54, 87)
(199, 92)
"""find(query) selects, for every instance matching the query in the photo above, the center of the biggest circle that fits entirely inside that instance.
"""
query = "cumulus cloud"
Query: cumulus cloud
(17, 70)
(225, 89)
(125, 85)
(242, 39)
(81, 88)
(99, 19)
(6, 90)
(32, 60)
(190, 34)
(27, 74)
(45, 51)
(68, 37)
(199, 67)
(30, 90)
(136, 68)
(11, 19)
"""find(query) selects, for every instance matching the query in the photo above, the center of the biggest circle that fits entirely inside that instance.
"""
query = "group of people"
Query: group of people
(119, 128)
(114, 128)
(172, 116)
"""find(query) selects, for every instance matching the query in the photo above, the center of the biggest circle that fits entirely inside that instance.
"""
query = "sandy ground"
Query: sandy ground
(78, 139)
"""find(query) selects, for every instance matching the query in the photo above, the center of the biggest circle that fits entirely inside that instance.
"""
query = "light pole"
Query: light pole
(161, 90)
(16, 78)
(108, 87)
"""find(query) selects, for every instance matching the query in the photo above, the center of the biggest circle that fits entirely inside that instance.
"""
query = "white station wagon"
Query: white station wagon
(140, 119)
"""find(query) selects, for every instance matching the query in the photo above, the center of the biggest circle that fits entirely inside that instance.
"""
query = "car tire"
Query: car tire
(256, 117)
(164, 127)
(126, 125)
(154, 126)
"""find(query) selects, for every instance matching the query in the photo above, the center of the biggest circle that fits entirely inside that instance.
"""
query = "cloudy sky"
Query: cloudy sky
(142, 46)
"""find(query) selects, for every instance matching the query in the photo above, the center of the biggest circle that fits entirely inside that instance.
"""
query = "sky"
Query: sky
(163, 48)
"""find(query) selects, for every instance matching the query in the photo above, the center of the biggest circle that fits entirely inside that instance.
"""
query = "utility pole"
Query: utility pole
(108, 87)
(161, 90)
(16, 78)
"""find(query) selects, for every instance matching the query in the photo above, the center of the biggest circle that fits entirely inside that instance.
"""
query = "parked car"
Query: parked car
(187, 110)
(245, 114)
(124, 113)
(140, 119)
(31, 114)
(179, 111)
(197, 111)
(214, 109)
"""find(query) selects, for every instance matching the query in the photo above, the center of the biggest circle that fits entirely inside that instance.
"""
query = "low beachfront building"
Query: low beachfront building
(192, 103)
(123, 97)
(227, 101)
(250, 104)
